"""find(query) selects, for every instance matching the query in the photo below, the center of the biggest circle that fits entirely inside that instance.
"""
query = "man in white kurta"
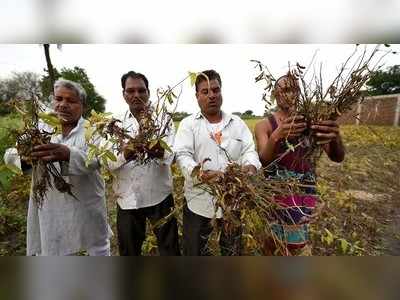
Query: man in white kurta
(218, 137)
(64, 225)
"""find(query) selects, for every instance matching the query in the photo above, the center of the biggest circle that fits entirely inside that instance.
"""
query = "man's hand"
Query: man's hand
(289, 127)
(128, 153)
(51, 152)
(156, 151)
(211, 176)
(325, 131)
(249, 169)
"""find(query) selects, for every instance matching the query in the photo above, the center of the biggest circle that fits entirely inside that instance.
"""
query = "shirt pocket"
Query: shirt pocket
(233, 146)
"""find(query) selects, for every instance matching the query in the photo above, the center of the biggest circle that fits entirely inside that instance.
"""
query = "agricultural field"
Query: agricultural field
(359, 208)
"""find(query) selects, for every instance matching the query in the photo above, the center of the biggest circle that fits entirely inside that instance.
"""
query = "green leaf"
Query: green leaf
(93, 113)
(90, 156)
(92, 147)
(101, 154)
(165, 146)
(104, 160)
(110, 155)
(344, 245)
(169, 98)
(107, 154)
(89, 133)
(50, 119)
(192, 77)
(14, 169)
(290, 146)
(329, 237)
(5, 178)
(153, 143)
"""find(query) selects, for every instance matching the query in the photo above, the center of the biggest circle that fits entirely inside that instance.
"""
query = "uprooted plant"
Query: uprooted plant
(45, 175)
(248, 204)
(318, 100)
(146, 144)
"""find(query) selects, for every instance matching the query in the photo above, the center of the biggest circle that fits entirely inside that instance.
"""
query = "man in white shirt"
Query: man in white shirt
(143, 191)
(65, 225)
(221, 137)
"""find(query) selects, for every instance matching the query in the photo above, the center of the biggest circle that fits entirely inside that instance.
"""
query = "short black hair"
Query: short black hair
(211, 74)
(134, 75)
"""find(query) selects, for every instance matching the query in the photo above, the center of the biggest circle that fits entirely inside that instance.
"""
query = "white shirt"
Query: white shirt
(64, 225)
(193, 144)
(137, 186)
(214, 127)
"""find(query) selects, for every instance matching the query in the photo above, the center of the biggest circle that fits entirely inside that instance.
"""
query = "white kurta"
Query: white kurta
(64, 225)
(193, 144)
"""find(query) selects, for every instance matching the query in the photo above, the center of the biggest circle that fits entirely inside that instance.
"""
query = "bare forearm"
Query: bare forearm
(268, 152)
(335, 149)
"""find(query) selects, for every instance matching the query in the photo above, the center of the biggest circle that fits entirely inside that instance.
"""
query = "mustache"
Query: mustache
(62, 112)
(213, 102)
(138, 100)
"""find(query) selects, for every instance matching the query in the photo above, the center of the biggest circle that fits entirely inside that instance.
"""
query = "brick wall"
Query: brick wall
(376, 110)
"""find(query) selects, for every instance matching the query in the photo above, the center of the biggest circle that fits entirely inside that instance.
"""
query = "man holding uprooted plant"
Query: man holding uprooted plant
(66, 223)
(143, 191)
(284, 156)
(210, 138)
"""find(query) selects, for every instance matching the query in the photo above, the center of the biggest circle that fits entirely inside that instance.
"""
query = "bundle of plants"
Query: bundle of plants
(143, 147)
(146, 144)
(319, 99)
(249, 205)
(45, 175)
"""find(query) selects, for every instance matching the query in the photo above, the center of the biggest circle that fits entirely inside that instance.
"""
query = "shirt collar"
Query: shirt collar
(226, 118)
(129, 114)
(78, 126)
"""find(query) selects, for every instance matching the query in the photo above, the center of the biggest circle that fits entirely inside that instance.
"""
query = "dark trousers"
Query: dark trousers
(131, 229)
(197, 230)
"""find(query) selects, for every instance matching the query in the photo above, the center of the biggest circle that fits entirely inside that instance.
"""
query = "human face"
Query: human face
(67, 106)
(286, 93)
(136, 94)
(209, 98)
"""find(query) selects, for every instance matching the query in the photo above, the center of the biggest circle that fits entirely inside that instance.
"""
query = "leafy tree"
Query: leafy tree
(248, 113)
(21, 85)
(385, 82)
(270, 111)
(77, 74)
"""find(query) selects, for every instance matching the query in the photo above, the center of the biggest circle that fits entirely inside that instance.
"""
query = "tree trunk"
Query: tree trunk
(49, 66)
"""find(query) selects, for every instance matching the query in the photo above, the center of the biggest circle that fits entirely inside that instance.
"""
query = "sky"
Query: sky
(166, 39)
(167, 64)
(176, 21)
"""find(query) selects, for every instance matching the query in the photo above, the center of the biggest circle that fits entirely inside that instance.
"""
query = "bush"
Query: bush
(11, 121)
